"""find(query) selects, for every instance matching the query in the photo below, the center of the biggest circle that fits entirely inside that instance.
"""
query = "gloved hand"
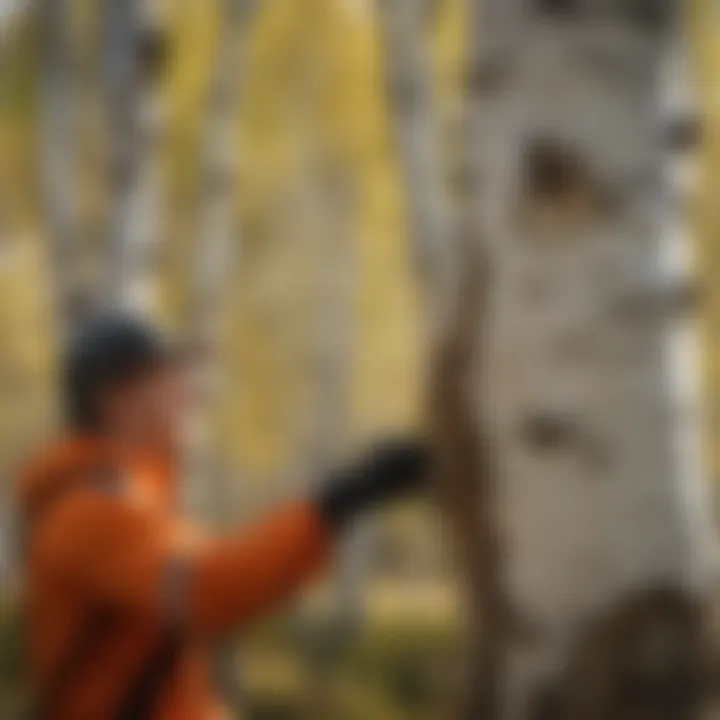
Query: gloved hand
(388, 471)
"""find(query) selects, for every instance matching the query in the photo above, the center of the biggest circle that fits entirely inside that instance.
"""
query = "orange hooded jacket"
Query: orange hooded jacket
(124, 598)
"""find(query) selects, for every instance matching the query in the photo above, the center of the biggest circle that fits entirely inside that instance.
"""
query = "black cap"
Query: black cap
(103, 353)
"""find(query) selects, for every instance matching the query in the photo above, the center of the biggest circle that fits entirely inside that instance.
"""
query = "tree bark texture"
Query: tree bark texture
(566, 385)
(135, 54)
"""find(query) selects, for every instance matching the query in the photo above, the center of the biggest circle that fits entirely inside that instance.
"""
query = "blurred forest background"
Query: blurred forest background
(315, 318)
(317, 329)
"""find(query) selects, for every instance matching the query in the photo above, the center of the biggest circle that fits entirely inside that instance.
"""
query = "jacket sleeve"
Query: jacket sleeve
(128, 555)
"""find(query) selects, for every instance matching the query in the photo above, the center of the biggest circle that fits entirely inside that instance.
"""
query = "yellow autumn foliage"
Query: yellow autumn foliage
(312, 66)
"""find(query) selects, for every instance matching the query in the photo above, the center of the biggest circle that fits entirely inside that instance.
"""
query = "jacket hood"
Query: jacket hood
(53, 463)
(65, 458)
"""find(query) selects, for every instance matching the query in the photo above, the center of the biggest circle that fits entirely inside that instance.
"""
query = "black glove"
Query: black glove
(390, 470)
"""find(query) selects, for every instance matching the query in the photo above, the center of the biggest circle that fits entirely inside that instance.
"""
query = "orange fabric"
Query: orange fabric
(121, 549)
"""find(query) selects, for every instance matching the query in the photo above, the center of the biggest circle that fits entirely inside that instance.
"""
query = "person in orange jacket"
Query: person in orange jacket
(124, 598)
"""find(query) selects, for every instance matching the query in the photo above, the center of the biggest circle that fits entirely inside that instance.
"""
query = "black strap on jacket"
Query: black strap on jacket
(141, 699)
(143, 695)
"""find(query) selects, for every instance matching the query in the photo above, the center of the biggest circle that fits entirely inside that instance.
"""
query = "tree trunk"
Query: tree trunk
(216, 246)
(415, 128)
(217, 229)
(333, 375)
(327, 197)
(583, 376)
(216, 250)
(58, 160)
(566, 389)
(136, 47)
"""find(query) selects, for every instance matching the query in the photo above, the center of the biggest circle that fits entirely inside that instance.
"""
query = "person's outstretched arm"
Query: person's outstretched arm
(122, 551)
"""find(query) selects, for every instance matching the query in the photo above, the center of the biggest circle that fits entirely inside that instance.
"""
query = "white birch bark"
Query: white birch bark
(336, 323)
(415, 130)
(135, 46)
(217, 229)
(217, 245)
(585, 380)
(11, 12)
(327, 202)
(58, 160)
(592, 515)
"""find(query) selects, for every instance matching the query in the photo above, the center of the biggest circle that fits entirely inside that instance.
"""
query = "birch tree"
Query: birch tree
(216, 251)
(135, 44)
(327, 200)
(580, 406)
(325, 204)
(415, 126)
(58, 143)
(217, 244)
(332, 373)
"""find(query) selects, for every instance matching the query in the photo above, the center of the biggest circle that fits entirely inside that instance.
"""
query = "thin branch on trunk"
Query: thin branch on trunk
(444, 231)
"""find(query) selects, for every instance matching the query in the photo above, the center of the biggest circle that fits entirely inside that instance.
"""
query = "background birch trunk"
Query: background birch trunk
(414, 122)
(335, 322)
(326, 204)
(217, 247)
(135, 43)
(58, 160)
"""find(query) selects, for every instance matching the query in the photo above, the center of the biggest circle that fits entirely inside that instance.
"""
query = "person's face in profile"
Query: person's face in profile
(153, 406)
